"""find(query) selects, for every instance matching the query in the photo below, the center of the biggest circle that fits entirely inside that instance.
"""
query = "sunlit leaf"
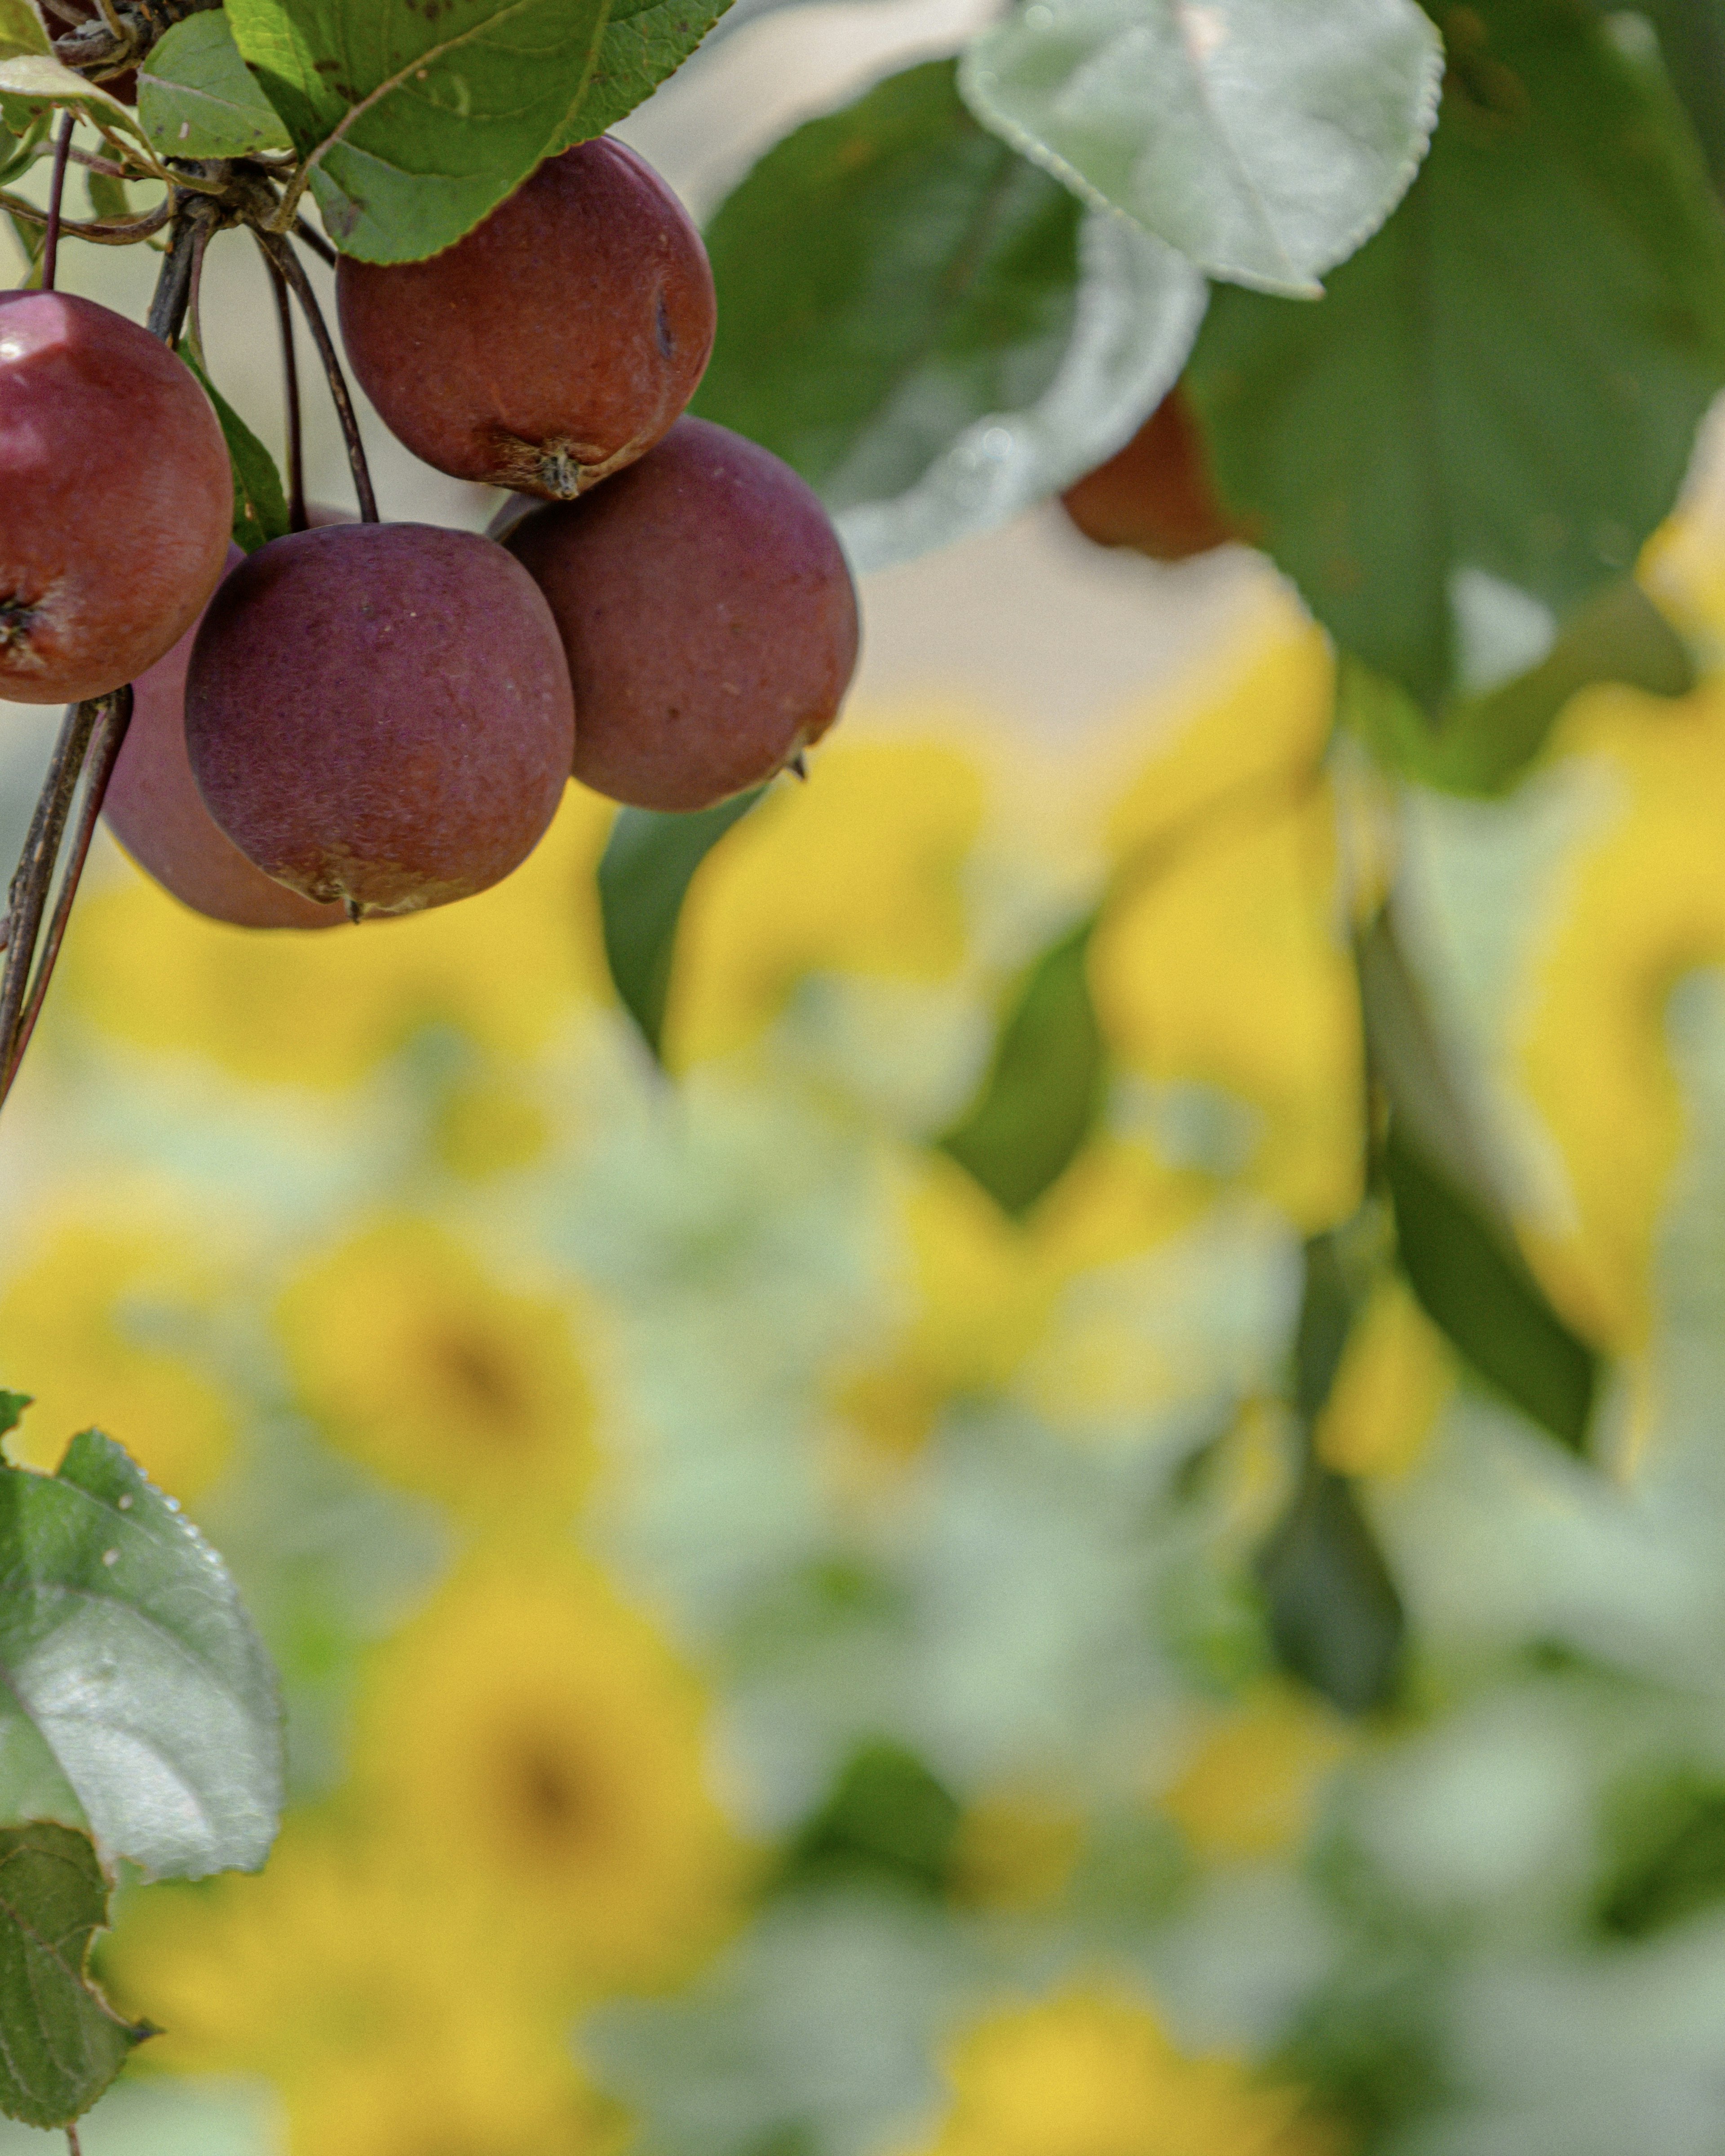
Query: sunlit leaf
(928, 328)
(645, 875)
(61, 2044)
(1045, 1086)
(124, 1647)
(198, 99)
(21, 30)
(31, 83)
(1265, 139)
(416, 122)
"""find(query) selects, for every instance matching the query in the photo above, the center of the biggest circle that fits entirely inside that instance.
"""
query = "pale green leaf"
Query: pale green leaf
(61, 2044)
(198, 99)
(30, 82)
(1265, 139)
(123, 1645)
(928, 328)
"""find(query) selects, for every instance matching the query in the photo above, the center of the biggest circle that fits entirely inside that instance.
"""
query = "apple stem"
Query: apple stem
(282, 255)
(290, 390)
(56, 195)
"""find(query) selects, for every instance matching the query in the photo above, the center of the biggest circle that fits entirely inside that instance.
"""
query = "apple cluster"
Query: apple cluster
(362, 718)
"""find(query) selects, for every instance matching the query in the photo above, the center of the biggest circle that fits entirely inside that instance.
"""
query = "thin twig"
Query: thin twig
(106, 232)
(315, 241)
(290, 392)
(281, 252)
(73, 2145)
(27, 898)
(102, 753)
(56, 197)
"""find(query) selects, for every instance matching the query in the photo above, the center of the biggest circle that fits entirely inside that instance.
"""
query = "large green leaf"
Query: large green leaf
(124, 1648)
(648, 863)
(1692, 40)
(260, 509)
(1495, 402)
(198, 99)
(417, 121)
(61, 2044)
(927, 327)
(1265, 139)
(1481, 745)
(1473, 1283)
(1039, 1100)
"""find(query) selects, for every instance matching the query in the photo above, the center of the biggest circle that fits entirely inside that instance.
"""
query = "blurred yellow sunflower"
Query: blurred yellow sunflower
(1221, 958)
(88, 1326)
(860, 873)
(532, 1733)
(506, 969)
(395, 2012)
(1091, 2074)
(416, 1362)
(1639, 903)
(1251, 1785)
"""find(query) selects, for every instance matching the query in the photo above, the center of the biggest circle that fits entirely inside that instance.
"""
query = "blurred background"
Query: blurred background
(773, 1657)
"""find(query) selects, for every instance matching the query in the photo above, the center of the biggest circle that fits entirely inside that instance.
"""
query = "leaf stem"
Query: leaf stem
(290, 392)
(56, 197)
(73, 2147)
(194, 318)
(281, 253)
(173, 284)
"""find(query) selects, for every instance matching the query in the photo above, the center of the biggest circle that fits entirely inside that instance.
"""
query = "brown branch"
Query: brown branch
(102, 753)
(281, 253)
(27, 896)
(309, 237)
(290, 392)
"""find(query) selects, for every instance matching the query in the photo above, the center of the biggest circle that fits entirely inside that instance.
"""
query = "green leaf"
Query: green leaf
(926, 327)
(124, 1647)
(22, 31)
(887, 1821)
(1265, 139)
(1043, 1089)
(645, 875)
(1473, 1284)
(12, 1409)
(107, 197)
(417, 121)
(1336, 1619)
(1497, 402)
(198, 99)
(1481, 745)
(1691, 35)
(644, 41)
(260, 509)
(61, 2044)
(17, 152)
